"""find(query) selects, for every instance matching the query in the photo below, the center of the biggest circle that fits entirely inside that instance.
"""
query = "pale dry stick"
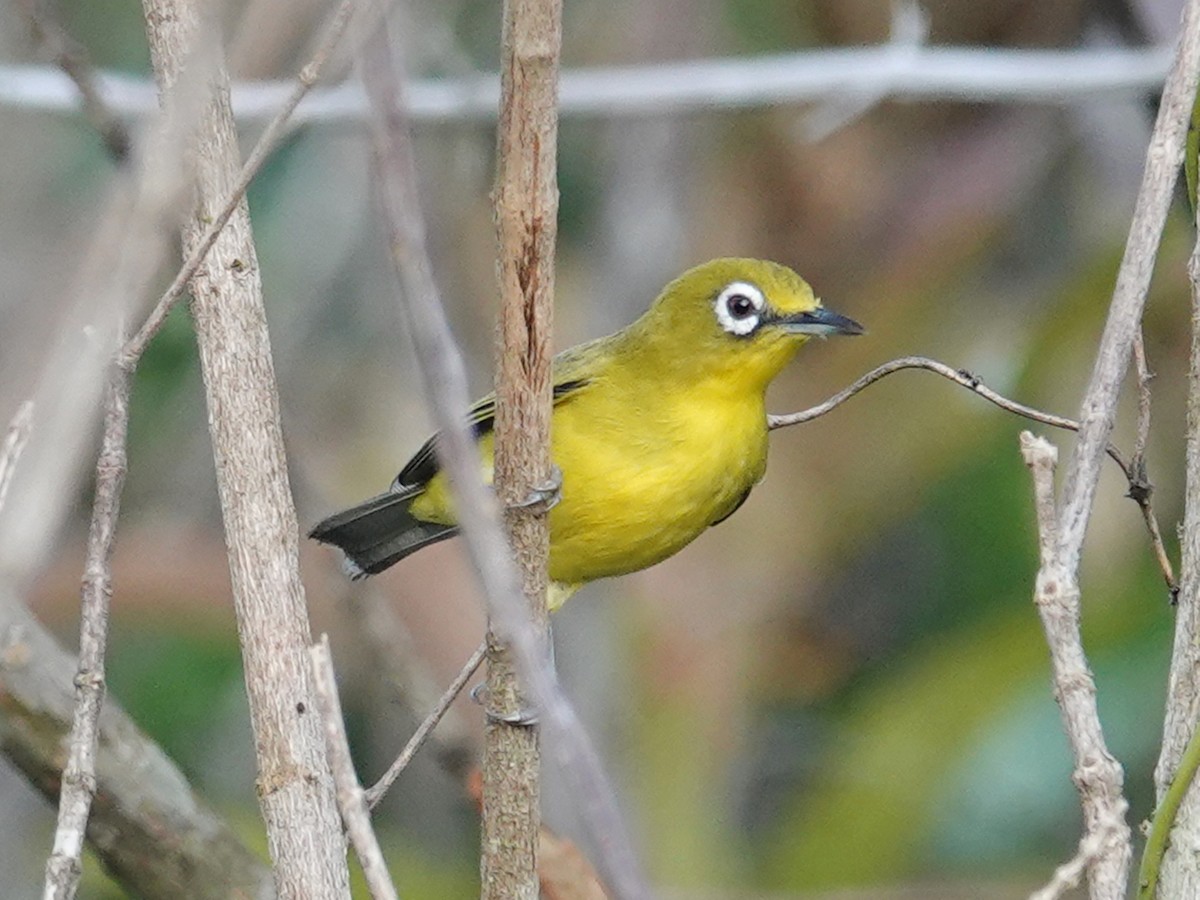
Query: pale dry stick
(64, 866)
(295, 790)
(267, 142)
(1140, 488)
(70, 56)
(352, 801)
(15, 438)
(1099, 777)
(525, 202)
(396, 657)
(972, 383)
(441, 366)
(1098, 409)
(1068, 875)
(1179, 870)
(973, 74)
(154, 195)
(1056, 595)
(377, 791)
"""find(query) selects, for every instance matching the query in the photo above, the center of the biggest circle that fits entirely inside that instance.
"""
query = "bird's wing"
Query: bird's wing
(482, 417)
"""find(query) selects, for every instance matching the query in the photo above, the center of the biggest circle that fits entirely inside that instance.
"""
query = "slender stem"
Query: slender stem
(1164, 818)
(352, 802)
(445, 380)
(15, 438)
(1138, 488)
(377, 791)
(64, 865)
(266, 144)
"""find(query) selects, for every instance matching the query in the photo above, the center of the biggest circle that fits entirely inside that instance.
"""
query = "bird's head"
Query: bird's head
(742, 319)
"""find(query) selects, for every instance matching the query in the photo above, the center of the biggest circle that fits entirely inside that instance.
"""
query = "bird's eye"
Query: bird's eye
(738, 307)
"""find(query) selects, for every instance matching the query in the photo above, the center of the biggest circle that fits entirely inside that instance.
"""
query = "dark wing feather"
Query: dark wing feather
(482, 417)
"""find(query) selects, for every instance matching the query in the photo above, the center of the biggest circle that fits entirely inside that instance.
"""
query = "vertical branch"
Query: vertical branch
(1180, 871)
(295, 788)
(526, 211)
(1098, 410)
(64, 866)
(352, 801)
(1097, 775)
(442, 370)
(14, 442)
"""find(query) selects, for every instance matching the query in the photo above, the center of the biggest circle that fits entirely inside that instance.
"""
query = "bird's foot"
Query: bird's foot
(525, 716)
(543, 497)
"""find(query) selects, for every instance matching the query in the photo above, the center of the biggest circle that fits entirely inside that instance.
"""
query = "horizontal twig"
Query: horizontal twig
(979, 75)
(1139, 489)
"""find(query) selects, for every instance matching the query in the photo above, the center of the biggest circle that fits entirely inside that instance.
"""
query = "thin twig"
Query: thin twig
(266, 144)
(442, 369)
(64, 866)
(1175, 819)
(79, 779)
(1068, 875)
(1098, 409)
(1164, 818)
(351, 799)
(973, 383)
(70, 56)
(525, 205)
(15, 438)
(1097, 774)
(973, 74)
(1140, 488)
(295, 796)
(377, 791)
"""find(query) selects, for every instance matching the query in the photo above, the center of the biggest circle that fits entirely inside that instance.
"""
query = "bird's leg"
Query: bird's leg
(526, 716)
(543, 497)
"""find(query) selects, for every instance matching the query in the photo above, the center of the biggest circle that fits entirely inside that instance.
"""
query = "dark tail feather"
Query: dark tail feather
(378, 533)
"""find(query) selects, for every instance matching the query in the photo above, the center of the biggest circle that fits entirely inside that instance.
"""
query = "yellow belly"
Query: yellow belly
(635, 493)
(637, 488)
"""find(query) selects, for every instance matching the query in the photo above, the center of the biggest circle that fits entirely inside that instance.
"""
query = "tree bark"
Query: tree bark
(295, 788)
(526, 210)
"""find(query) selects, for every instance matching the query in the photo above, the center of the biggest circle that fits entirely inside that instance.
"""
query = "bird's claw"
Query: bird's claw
(525, 717)
(544, 496)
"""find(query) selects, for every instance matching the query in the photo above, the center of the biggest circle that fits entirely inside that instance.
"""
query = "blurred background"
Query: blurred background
(841, 691)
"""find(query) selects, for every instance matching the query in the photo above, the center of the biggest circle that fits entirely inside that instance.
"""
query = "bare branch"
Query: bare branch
(525, 200)
(1097, 774)
(352, 801)
(1163, 159)
(1176, 823)
(295, 788)
(974, 74)
(377, 791)
(1068, 875)
(15, 438)
(1138, 488)
(65, 864)
(441, 366)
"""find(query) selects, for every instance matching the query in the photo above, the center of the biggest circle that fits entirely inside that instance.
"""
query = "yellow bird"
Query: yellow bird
(659, 430)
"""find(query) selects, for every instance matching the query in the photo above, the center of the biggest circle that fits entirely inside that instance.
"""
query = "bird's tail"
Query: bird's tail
(379, 533)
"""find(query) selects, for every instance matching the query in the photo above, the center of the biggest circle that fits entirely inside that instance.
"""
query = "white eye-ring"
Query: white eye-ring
(738, 307)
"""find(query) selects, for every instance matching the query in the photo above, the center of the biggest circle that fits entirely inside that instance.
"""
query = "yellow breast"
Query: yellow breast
(642, 477)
